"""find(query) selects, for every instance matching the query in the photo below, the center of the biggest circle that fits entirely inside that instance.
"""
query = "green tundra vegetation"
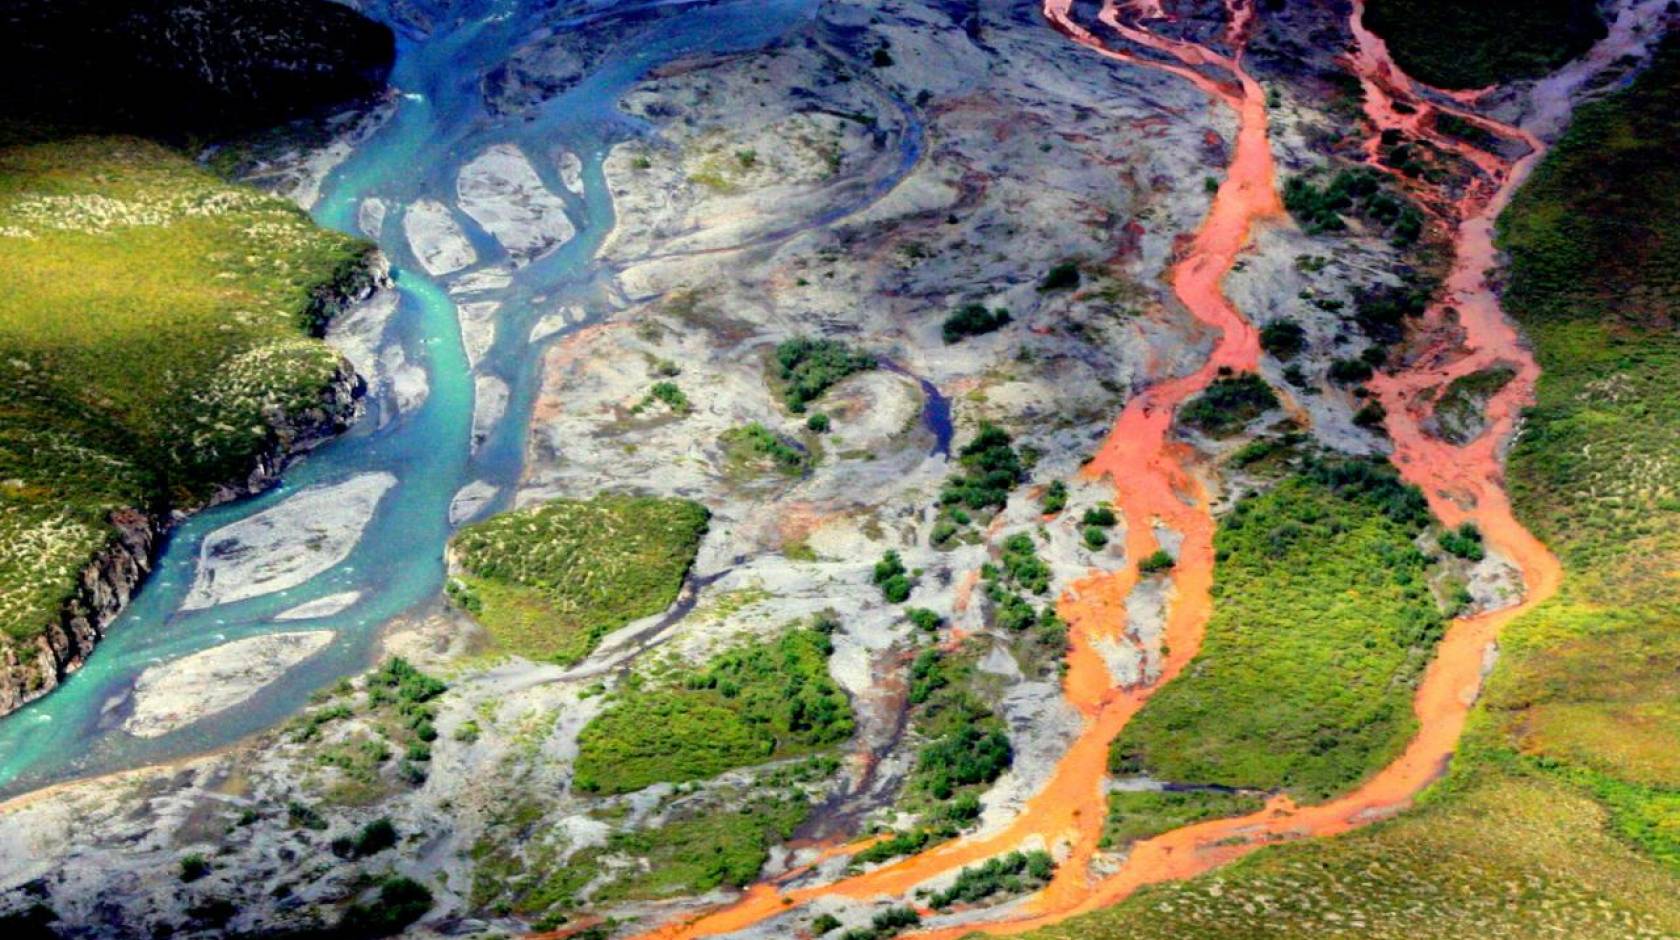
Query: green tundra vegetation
(1357, 191)
(154, 319)
(1319, 591)
(753, 449)
(1559, 816)
(1139, 814)
(1008, 875)
(1229, 403)
(972, 320)
(988, 468)
(1475, 43)
(759, 701)
(806, 368)
(386, 745)
(550, 581)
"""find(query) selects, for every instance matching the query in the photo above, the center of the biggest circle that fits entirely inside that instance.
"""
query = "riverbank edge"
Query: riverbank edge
(106, 584)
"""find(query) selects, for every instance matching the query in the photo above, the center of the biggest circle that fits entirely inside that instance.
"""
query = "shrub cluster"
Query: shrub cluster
(808, 367)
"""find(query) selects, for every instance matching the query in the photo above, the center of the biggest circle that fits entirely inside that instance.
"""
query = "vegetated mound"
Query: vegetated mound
(1228, 403)
(549, 582)
(177, 67)
(1319, 591)
(760, 700)
(1474, 43)
(155, 345)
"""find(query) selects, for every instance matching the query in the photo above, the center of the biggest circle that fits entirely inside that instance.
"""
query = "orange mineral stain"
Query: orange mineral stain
(1155, 486)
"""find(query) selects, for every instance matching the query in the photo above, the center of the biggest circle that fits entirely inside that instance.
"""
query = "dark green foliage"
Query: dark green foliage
(1099, 516)
(968, 755)
(303, 816)
(1475, 43)
(401, 902)
(888, 923)
(1055, 498)
(1350, 371)
(1022, 567)
(1283, 339)
(808, 367)
(194, 867)
(1064, 276)
(881, 58)
(753, 446)
(412, 687)
(1381, 312)
(973, 320)
(823, 923)
(1095, 537)
(989, 469)
(893, 846)
(817, 423)
(1158, 561)
(758, 701)
(924, 619)
(1465, 542)
(1319, 590)
(668, 393)
(1228, 403)
(1371, 416)
(706, 850)
(1012, 874)
(1357, 191)
(892, 578)
(373, 838)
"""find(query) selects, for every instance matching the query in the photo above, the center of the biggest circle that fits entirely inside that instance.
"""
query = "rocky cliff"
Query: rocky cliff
(111, 577)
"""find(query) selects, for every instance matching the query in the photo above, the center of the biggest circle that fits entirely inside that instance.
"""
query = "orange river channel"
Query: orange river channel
(1156, 486)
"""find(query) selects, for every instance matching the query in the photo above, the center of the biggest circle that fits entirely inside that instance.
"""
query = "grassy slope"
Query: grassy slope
(152, 314)
(1474, 43)
(551, 581)
(1320, 593)
(1560, 816)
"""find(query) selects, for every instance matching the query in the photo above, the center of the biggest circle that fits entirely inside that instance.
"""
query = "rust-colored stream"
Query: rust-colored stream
(1156, 486)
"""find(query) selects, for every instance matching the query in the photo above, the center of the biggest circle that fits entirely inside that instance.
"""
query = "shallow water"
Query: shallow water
(440, 123)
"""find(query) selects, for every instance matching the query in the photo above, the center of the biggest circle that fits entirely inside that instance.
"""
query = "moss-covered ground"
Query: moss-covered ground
(550, 581)
(1561, 813)
(153, 320)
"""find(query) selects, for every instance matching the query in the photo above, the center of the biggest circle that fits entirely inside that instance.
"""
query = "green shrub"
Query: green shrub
(401, 902)
(1012, 874)
(1476, 43)
(1283, 339)
(753, 448)
(808, 367)
(1095, 537)
(989, 469)
(1099, 516)
(973, 320)
(1465, 542)
(823, 923)
(817, 423)
(924, 619)
(193, 867)
(1055, 498)
(1350, 371)
(1158, 561)
(1228, 403)
(1064, 276)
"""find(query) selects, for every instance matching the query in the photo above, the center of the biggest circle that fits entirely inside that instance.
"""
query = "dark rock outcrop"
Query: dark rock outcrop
(178, 68)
